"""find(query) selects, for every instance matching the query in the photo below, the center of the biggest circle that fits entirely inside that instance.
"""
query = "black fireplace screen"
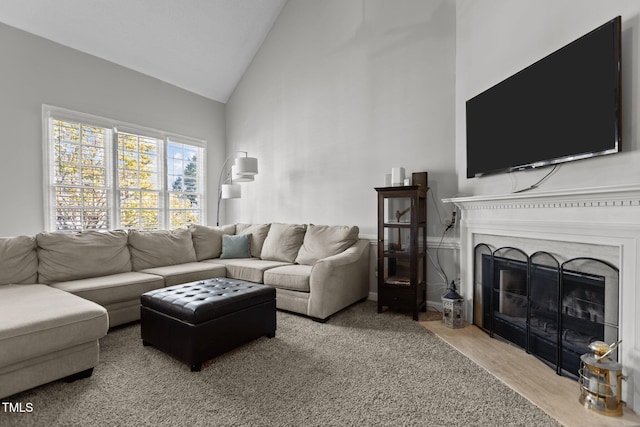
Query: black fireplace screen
(551, 310)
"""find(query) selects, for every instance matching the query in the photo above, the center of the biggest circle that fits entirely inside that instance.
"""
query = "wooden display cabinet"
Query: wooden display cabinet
(402, 248)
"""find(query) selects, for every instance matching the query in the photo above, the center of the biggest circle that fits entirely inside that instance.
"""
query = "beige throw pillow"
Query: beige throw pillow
(18, 260)
(321, 241)
(71, 256)
(160, 248)
(283, 242)
(207, 241)
(258, 235)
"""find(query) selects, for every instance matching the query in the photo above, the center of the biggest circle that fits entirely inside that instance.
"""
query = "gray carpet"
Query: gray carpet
(358, 369)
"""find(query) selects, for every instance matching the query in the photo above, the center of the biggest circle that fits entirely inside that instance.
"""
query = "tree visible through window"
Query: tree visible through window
(101, 178)
(183, 175)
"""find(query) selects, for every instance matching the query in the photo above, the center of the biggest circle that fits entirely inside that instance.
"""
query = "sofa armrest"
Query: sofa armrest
(339, 280)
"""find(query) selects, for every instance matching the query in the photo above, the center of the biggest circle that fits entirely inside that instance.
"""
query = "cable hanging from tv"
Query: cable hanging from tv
(543, 179)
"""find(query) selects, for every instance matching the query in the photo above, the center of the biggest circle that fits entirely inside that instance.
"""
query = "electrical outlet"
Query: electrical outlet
(452, 222)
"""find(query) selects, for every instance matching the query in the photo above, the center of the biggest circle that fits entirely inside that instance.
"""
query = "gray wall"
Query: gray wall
(339, 93)
(35, 71)
(497, 38)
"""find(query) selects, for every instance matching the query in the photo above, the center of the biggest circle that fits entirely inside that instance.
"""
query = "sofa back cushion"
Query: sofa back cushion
(258, 235)
(160, 248)
(283, 242)
(71, 256)
(321, 241)
(207, 241)
(18, 260)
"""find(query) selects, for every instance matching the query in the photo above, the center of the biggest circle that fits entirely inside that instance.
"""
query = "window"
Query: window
(185, 196)
(139, 186)
(80, 182)
(106, 175)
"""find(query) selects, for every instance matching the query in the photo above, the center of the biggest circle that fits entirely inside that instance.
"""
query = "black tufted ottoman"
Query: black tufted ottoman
(198, 321)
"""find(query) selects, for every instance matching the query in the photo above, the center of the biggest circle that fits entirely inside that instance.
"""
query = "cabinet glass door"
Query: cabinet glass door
(397, 237)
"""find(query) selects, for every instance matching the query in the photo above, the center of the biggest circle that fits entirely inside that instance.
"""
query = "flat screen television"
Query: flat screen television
(564, 107)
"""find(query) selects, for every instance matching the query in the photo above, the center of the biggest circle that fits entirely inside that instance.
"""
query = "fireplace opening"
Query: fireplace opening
(552, 310)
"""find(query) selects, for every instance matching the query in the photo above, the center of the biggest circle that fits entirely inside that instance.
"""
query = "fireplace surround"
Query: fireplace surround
(601, 223)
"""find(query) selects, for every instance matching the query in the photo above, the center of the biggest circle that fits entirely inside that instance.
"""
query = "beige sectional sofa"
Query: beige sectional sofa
(60, 292)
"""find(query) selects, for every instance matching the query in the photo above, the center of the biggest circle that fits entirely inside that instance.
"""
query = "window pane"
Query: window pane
(66, 131)
(149, 146)
(193, 216)
(149, 162)
(94, 219)
(95, 197)
(138, 166)
(93, 136)
(184, 182)
(129, 218)
(178, 219)
(129, 199)
(93, 177)
(68, 197)
(176, 201)
(92, 156)
(68, 219)
(67, 173)
(149, 181)
(128, 179)
(79, 170)
(149, 219)
(149, 200)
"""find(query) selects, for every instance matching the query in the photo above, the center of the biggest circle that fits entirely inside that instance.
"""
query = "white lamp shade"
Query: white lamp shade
(240, 178)
(246, 166)
(231, 191)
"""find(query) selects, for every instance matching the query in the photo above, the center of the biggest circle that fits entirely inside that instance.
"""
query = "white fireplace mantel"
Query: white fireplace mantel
(597, 217)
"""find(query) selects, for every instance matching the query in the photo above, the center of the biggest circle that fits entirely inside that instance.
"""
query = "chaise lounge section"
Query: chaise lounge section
(45, 333)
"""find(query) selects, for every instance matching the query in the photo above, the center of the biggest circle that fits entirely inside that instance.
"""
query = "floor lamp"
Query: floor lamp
(243, 169)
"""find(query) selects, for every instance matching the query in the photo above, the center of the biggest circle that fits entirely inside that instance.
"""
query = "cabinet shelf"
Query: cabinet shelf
(398, 281)
(397, 225)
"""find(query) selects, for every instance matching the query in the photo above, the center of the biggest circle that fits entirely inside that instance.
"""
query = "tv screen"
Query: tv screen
(564, 107)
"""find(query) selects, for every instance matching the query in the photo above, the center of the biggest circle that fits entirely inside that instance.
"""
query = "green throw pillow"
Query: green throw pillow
(236, 246)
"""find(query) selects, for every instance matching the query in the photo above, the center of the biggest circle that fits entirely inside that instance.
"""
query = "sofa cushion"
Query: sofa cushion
(250, 269)
(18, 260)
(160, 248)
(38, 319)
(111, 289)
(283, 242)
(71, 256)
(236, 246)
(258, 235)
(293, 277)
(207, 241)
(188, 272)
(321, 241)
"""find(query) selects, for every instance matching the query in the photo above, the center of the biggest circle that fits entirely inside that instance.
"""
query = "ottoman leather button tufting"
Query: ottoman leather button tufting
(200, 320)
(196, 307)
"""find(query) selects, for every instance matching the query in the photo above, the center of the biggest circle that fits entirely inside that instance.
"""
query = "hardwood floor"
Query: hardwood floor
(556, 395)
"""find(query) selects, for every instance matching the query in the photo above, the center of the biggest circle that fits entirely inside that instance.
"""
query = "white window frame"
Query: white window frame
(51, 112)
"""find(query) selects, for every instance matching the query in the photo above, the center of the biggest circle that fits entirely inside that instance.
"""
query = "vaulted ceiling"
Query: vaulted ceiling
(203, 46)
